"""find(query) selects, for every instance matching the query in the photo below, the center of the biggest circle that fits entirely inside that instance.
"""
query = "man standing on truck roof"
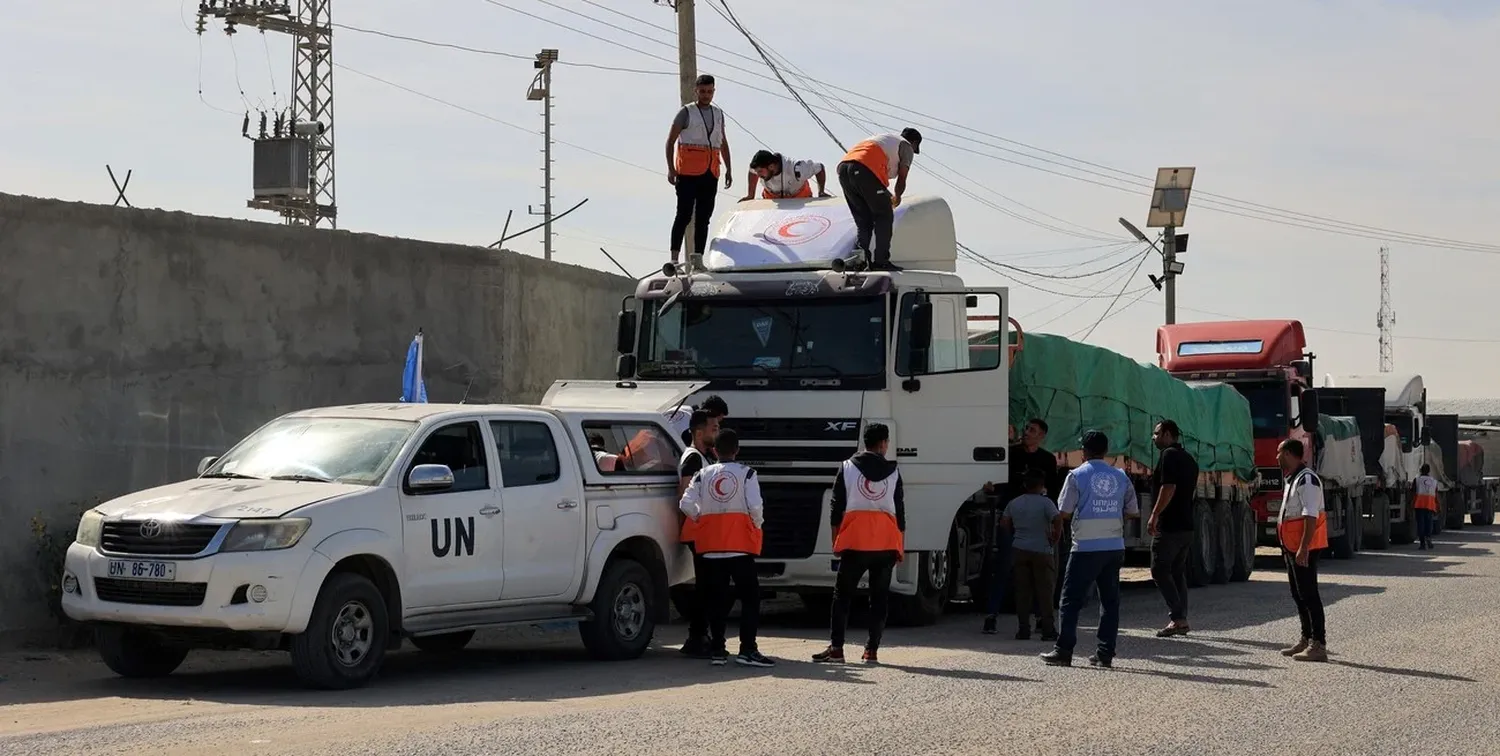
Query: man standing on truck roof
(1097, 497)
(782, 180)
(693, 167)
(1426, 503)
(1302, 528)
(864, 176)
(868, 515)
(725, 505)
(1175, 480)
(1024, 458)
(697, 456)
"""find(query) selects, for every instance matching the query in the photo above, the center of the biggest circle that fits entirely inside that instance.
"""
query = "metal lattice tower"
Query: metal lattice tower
(1385, 320)
(311, 30)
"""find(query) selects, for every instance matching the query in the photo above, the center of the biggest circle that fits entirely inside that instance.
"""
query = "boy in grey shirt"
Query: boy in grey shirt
(1036, 524)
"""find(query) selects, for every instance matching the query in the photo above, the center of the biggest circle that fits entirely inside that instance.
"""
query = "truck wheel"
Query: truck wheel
(1242, 525)
(1456, 508)
(1486, 514)
(1205, 546)
(623, 607)
(447, 643)
(1379, 537)
(934, 582)
(1224, 547)
(346, 637)
(1356, 525)
(135, 653)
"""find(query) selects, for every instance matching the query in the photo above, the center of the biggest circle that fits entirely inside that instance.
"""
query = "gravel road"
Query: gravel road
(1411, 675)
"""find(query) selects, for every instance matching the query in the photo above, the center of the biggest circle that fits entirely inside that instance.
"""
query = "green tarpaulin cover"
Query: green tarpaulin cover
(1077, 387)
(1338, 427)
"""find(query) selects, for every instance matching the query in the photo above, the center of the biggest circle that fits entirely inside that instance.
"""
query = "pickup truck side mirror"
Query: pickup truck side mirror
(1308, 404)
(625, 332)
(429, 478)
(205, 463)
(625, 367)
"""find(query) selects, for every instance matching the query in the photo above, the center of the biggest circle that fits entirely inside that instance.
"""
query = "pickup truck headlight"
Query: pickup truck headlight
(265, 535)
(90, 529)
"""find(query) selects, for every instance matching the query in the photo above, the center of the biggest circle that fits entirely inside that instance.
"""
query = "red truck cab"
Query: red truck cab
(1268, 363)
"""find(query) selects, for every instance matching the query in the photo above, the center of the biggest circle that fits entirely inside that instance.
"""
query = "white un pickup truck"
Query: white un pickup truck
(334, 533)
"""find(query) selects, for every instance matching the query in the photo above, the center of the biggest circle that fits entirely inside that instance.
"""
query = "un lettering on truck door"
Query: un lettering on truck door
(457, 536)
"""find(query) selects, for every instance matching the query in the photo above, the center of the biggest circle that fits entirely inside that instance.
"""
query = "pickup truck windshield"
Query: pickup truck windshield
(334, 449)
(729, 338)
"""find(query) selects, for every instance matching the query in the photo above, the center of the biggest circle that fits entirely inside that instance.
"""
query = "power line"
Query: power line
(498, 53)
(1114, 301)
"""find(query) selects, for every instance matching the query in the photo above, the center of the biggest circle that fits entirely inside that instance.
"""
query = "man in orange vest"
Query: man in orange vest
(1303, 529)
(864, 175)
(868, 514)
(1426, 504)
(783, 181)
(694, 146)
(723, 500)
(689, 599)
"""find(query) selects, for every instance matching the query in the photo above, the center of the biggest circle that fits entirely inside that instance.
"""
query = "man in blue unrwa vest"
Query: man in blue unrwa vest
(1097, 498)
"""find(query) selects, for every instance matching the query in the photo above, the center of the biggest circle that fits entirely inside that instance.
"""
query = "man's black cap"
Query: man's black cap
(1094, 442)
(914, 137)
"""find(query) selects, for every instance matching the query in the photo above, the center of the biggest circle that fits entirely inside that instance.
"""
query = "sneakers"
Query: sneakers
(1315, 652)
(870, 657)
(1297, 649)
(1056, 658)
(1100, 660)
(989, 625)
(1172, 629)
(831, 655)
(753, 659)
(719, 658)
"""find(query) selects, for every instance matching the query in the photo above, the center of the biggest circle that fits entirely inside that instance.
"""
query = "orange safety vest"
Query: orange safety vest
(699, 142)
(880, 153)
(1293, 523)
(1426, 493)
(722, 492)
(803, 193)
(689, 529)
(869, 522)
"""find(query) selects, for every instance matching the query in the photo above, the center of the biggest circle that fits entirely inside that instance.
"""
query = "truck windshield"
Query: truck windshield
(332, 449)
(1269, 407)
(726, 338)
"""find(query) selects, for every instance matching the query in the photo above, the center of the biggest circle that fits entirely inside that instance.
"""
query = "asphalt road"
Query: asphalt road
(1412, 673)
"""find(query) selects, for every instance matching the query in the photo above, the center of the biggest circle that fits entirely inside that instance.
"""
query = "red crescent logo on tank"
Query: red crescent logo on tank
(798, 229)
(723, 487)
(873, 490)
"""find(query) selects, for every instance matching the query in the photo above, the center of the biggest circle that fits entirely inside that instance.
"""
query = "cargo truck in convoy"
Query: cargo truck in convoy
(1470, 493)
(1268, 363)
(781, 320)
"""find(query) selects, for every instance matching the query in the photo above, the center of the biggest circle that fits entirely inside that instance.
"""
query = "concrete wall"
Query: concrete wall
(134, 342)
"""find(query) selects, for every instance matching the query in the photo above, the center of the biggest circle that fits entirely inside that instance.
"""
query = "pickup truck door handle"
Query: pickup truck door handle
(490, 511)
(566, 504)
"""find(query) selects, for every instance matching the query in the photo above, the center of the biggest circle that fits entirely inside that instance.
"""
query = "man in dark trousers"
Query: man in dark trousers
(868, 514)
(695, 144)
(865, 174)
(1302, 528)
(1175, 480)
(1024, 458)
(689, 599)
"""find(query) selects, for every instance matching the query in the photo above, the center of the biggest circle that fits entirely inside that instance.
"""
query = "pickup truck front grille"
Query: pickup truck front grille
(149, 592)
(794, 512)
(153, 538)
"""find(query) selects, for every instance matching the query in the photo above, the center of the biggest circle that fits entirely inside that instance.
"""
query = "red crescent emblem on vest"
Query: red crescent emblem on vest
(798, 229)
(723, 487)
(872, 489)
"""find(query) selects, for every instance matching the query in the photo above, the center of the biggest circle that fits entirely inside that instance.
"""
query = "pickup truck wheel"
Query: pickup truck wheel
(1486, 514)
(447, 643)
(623, 607)
(346, 637)
(134, 653)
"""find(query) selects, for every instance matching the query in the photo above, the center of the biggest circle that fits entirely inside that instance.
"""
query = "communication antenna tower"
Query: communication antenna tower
(1385, 320)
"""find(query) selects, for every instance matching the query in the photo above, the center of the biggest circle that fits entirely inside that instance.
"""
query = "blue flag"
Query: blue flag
(413, 388)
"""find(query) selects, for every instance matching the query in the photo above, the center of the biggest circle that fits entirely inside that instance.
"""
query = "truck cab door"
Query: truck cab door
(950, 403)
(451, 534)
(545, 513)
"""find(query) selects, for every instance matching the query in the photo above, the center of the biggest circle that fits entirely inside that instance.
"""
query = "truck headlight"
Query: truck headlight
(265, 535)
(90, 529)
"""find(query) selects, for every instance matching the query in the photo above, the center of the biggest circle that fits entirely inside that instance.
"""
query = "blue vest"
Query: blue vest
(1099, 518)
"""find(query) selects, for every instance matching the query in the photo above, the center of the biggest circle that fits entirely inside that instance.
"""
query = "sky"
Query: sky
(1377, 117)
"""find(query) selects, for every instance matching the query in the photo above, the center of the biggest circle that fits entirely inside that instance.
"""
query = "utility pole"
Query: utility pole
(1385, 319)
(293, 166)
(1169, 256)
(541, 89)
(687, 73)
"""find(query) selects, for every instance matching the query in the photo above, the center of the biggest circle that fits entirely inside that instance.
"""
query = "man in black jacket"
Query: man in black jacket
(868, 514)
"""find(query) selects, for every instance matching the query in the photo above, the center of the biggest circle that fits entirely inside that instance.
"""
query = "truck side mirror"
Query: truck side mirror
(1426, 435)
(1308, 404)
(625, 332)
(921, 326)
(625, 367)
(205, 463)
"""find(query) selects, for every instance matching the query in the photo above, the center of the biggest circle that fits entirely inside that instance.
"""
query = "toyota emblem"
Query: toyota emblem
(150, 529)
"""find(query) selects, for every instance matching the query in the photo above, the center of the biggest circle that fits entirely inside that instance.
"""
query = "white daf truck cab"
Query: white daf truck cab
(334, 533)
(807, 351)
